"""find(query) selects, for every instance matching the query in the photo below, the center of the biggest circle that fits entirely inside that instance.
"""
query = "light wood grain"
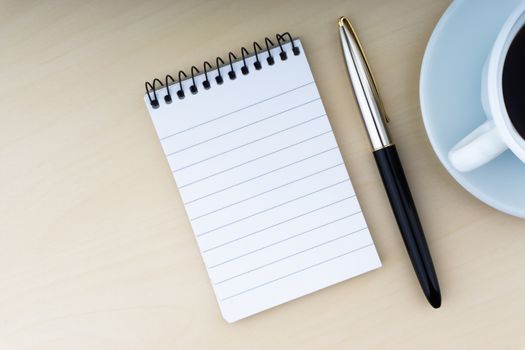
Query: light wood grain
(96, 251)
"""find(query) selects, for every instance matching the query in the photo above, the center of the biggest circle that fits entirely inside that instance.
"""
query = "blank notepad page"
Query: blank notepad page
(264, 185)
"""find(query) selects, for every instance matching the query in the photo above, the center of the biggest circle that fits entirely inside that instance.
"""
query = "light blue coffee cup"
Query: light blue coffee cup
(497, 133)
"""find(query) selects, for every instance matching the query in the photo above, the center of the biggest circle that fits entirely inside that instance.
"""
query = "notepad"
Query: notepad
(263, 182)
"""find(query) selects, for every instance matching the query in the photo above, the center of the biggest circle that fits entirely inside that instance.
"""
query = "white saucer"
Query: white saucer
(450, 93)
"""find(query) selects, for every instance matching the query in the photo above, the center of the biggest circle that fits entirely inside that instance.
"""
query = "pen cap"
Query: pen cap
(365, 90)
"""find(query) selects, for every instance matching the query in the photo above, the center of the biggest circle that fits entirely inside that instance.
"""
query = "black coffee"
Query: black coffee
(514, 82)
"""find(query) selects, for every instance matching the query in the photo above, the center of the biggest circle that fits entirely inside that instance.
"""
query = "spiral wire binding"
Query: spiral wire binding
(231, 73)
(206, 82)
(257, 63)
(193, 88)
(244, 69)
(152, 88)
(167, 98)
(269, 59)
(218, 78)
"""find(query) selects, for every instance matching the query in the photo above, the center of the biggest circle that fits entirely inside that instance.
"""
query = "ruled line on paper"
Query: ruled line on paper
(269, 154)
(253, 178)
(290, 256)
(267, 191)
(296, 272)
(277, 224)
(238, 110)
(243, 127)
(249, 143)
(283, 240)
(271, 208)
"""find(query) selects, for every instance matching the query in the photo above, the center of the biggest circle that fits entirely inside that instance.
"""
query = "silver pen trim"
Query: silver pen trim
(365, 90)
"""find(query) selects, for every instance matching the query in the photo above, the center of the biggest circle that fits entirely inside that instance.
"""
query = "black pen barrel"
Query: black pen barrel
(404, 209)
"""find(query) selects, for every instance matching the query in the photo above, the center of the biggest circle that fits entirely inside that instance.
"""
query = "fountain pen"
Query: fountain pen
(388, 162)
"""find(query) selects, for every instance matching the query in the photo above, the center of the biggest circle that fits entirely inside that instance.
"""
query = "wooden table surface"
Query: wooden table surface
(96, 251)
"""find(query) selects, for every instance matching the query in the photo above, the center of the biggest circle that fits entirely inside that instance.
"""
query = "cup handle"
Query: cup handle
(477, 148)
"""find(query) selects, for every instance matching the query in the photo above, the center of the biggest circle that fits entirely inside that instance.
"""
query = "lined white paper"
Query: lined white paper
(264, 184)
